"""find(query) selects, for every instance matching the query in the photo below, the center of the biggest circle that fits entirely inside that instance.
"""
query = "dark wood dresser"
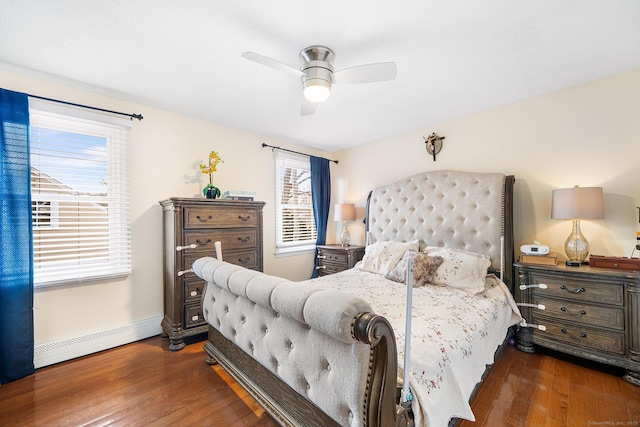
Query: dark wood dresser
(587, 312)
(191, 228)
(335, 258)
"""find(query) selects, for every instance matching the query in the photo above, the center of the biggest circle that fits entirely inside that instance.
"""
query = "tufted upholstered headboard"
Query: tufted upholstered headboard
(462, 210)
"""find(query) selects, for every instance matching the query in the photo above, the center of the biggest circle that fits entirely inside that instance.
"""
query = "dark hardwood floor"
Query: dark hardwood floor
(144, 384)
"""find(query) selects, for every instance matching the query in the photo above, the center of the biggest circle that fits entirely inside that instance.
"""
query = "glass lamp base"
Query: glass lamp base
(576, 246)
(345, 237)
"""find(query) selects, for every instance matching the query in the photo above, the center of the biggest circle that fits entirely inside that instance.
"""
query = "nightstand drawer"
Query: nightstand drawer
(326, 257)
(577, 290)
(203, 217)
(326, 269)
(596, 339)
(587, 314)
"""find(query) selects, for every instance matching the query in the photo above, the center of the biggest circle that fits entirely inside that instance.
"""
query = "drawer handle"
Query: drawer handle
(199, 242)
(182, 248)
(183, 272)
(321, 267)
(244, 239)
(579, 336)
(577, 291)
(244, 218)
(201, 219)
(566, 310)
(244, 261)
(322, 257)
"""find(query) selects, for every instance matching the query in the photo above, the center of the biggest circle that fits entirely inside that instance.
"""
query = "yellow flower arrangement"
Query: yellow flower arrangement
(211, 191)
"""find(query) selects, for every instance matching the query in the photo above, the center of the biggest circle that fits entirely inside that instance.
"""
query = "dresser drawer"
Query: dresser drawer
(193, 315)
(245, 258)
(578, 290)
(591, 338)
(587, 314)
(193, 288)
(203, 217)
(229, 239)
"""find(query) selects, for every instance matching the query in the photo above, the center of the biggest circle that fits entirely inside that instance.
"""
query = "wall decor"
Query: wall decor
(433, 144)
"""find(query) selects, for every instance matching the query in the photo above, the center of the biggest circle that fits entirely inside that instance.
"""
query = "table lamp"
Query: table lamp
(575, 204)
(345, 212)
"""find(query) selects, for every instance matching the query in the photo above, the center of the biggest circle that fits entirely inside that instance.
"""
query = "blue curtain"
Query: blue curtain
(321, 200)
(16, 259)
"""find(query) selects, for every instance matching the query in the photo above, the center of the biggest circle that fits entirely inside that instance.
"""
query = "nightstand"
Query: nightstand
(588, 312)
(335, 258)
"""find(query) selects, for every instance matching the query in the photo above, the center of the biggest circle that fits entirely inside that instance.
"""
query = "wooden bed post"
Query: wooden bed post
(381, 408)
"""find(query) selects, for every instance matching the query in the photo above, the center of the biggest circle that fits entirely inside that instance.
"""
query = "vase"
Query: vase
(211, 191)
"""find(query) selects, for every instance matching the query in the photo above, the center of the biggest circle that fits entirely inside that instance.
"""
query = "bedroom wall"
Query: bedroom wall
(165, 150)
(587, 135)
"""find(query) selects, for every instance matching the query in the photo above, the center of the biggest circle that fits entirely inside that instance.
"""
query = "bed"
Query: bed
(330, 351)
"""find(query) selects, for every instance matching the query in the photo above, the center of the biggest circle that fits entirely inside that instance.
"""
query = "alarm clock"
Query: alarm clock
(534, 249)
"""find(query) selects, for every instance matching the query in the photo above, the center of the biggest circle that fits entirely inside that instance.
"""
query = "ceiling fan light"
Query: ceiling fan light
(316, 90)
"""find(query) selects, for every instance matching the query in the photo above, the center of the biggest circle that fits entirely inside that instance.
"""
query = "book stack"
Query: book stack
(550, 259)
(238, 195)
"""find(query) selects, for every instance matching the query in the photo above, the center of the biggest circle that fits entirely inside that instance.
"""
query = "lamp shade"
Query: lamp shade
(577, 203)
(345, 212)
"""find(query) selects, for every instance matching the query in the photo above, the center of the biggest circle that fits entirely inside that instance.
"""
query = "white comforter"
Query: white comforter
(454, 337)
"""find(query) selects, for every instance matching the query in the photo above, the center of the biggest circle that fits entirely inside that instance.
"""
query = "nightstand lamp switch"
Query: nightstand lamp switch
(575, 204)
(345, 212)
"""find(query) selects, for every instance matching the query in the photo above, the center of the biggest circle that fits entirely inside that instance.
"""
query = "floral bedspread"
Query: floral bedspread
(454, 337)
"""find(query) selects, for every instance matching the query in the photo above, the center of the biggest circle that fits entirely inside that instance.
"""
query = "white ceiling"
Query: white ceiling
(454, 57)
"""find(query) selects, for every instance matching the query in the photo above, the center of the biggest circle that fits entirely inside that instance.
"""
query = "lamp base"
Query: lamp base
(570, 263)
(345, 237)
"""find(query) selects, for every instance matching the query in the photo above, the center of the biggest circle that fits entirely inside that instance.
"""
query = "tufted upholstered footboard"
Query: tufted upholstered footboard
(309, 356)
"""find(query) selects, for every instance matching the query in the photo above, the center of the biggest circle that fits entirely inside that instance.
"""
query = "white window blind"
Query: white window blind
(80, 198)
(295, 225)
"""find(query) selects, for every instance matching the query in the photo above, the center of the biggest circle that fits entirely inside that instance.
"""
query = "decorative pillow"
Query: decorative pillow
(460, 269)
(381, 257)
(424, 268)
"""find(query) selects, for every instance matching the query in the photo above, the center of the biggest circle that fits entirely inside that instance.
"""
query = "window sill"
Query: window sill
(297, 250)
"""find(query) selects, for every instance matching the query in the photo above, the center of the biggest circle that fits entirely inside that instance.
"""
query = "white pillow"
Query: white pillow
(381, 257)
(460, 269)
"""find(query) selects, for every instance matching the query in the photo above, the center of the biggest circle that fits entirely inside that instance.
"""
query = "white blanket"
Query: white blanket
(454, 337)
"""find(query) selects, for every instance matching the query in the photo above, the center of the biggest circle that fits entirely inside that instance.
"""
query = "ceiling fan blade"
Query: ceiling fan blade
(269, 62)
(307, 108)
(368, 73)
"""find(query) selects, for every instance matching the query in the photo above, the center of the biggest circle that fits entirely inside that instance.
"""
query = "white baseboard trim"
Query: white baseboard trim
(60, 351)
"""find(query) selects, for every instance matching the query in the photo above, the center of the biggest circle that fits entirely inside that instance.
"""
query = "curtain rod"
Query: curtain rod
(133, 116)
(291, 151)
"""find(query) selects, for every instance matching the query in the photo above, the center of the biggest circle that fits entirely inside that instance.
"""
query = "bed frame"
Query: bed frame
(253, 317)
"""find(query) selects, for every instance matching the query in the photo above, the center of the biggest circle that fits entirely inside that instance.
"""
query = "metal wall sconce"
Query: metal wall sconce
(433, 144)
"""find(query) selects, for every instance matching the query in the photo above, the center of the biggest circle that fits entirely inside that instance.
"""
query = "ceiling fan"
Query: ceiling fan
(317, 73)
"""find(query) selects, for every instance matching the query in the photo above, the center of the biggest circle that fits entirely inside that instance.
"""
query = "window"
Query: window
(295, 225)
(79, 195)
